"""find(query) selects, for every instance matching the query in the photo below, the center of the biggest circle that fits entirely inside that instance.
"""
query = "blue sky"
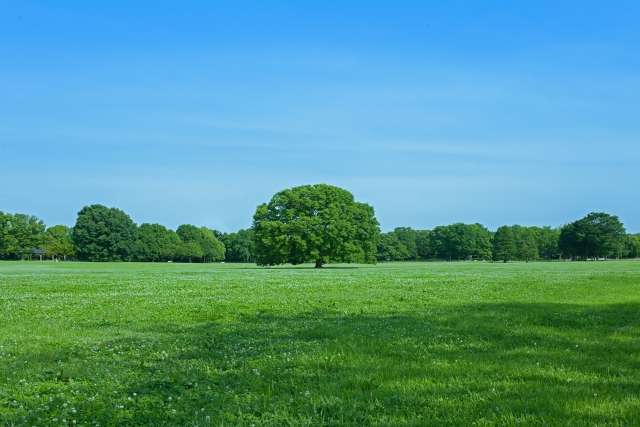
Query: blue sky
(497, 112)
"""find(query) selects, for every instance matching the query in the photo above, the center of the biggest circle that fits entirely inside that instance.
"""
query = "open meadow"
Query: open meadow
(549, 343)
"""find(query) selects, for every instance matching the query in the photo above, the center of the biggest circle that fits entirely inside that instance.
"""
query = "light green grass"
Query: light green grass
(393, 344)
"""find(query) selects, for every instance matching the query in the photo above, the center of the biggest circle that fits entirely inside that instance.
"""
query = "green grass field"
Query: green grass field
(393, 344)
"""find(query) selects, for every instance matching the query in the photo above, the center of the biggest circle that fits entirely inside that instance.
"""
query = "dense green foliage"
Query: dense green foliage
(461, 241)
(504, 244)
(104, 234)
(525, 243)
(598, 235)
(19, 235)
(548, 242)
(200, 243)
(472, 241)
(311, 223)
(390, 248)
(319, 223)
(390, 345)
(108, 234)
(632, 246)
(449, 242)
(157, 243)
(58, 243)
(405, 244)
(240, 246)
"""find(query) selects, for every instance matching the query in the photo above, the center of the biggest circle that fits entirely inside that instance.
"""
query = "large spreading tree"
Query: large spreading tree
(319, 223)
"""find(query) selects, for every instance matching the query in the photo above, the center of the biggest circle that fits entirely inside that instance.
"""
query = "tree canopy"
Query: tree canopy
(156, 243)
(239, 246)
(405, 244)
(462, 241)
(314, 223)
(632, 246)
(597, 235)
(19, 235)
(104, 234)
(319, 223)
(390, 248)
(504, 244)
(200, 244)
(58, 243)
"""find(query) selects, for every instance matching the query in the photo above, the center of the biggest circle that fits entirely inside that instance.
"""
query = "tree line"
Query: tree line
(598, 235)
(313, 223)
(109, 234)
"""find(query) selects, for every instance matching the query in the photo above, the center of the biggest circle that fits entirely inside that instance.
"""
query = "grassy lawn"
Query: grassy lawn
(393, 344)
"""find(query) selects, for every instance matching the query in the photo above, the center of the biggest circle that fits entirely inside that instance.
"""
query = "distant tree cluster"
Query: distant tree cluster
(240, 246)
(311, 223)
(19, 235)
(109, 234)
(447, 242)
(106, 234)
(598, 235)
(525, 243)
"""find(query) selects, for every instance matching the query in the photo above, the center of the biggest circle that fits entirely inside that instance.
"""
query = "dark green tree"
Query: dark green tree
(424, 244)
(319, 223)
(462, 241)
(595, 236)
(504, 244)
(632, 246)
(199, 244)
(156, 243)
(390, 248)
(239, 246)
(104, 234)
(408, 237)
(526, 243)
(547, 240)
(5, 221)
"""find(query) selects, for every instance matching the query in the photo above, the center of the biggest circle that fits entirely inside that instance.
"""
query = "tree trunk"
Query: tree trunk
(318, 263)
